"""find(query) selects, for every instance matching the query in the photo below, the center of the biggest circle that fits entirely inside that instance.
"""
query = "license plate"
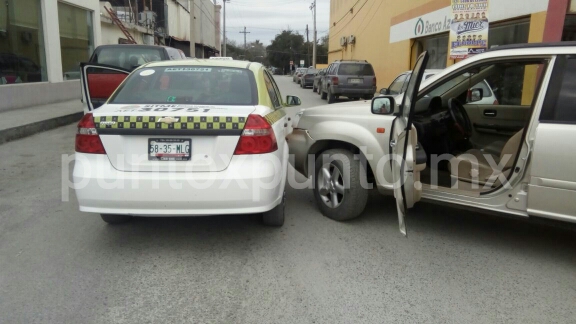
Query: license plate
(168, 149)
(355, 81)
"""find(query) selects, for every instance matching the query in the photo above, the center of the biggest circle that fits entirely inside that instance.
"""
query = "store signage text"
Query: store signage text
(426, 27)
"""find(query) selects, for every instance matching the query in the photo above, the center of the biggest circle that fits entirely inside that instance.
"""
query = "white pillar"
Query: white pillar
(51, 32)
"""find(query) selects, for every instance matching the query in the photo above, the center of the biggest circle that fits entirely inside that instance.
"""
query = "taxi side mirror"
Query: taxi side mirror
(293, 101)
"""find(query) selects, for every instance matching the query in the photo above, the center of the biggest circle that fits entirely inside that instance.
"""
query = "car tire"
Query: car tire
(115, 219)
(313, 88)
(323, 95)
(331, 97)
(301, 85)
(275, 216)
(351, 203)
(319, 90)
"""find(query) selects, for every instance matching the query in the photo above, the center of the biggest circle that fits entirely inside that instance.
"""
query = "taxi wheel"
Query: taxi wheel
(115, 219)
(337, 186)
(275, 217)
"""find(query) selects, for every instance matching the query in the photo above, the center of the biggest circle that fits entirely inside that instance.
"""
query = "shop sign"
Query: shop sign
(469, 28)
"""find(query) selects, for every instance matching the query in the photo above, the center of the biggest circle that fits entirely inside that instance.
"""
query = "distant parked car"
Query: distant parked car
(352, 79)
(318, 80)
(129, 57)
(399, 85)
(297, 74)
(307, 78)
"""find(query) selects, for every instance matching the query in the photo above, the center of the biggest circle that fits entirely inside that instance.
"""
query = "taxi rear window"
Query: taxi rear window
(208, 85)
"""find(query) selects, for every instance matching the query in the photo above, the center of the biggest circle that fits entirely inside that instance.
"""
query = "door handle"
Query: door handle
(393, 143)
(490, 113)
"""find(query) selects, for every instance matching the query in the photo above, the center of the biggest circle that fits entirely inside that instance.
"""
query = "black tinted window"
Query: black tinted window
(355, 69)
(559, 105)
(209, 85)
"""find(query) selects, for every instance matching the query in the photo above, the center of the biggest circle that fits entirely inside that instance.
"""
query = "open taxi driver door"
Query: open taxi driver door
(404, 141)
(99, 81)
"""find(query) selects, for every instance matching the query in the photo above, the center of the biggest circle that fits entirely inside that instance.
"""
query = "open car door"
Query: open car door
(99, 81)
(404, 141)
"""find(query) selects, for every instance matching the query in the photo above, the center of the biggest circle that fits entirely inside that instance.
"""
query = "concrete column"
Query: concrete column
(51, 33)
(555, 17)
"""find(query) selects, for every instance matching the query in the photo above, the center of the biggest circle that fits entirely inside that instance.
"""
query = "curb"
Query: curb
(14, 133)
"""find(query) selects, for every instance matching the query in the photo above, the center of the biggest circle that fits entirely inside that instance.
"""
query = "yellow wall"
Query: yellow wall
(370, 22)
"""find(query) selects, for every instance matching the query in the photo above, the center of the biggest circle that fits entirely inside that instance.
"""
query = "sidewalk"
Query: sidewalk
(22, 122)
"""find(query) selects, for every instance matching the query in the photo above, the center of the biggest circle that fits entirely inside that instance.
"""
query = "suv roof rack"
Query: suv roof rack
(362, 61)
(532, 45)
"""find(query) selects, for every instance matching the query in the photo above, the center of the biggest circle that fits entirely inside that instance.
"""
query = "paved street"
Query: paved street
(58, 265)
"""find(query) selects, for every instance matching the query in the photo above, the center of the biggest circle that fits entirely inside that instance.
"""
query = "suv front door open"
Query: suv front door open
(403, 141)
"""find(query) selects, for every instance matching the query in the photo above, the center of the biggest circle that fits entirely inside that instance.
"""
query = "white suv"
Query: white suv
(442, 144)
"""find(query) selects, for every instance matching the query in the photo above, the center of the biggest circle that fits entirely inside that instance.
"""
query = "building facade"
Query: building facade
(391, 34)
(40, 42)
(165, 22)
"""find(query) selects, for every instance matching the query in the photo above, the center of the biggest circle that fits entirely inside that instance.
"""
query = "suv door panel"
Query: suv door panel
(495, 122)
(552, 187)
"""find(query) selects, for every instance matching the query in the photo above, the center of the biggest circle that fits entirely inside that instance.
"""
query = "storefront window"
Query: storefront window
(21, 42)
(437, 48)
(76, 38)
(512, 33)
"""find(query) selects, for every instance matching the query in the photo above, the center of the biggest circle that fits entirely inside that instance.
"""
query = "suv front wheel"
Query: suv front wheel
(337, 186)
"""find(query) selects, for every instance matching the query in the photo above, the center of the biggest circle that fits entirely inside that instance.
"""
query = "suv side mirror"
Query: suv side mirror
(476, 94)
(383, 105)
(383, 91)
(293, 101)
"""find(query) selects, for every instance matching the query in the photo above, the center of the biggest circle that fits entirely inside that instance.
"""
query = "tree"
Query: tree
(287, 46)
(322, 50)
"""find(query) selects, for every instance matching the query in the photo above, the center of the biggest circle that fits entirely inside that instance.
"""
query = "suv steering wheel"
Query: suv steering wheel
(460, 117)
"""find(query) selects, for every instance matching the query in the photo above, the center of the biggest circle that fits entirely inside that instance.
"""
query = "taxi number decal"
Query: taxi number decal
(175, 109)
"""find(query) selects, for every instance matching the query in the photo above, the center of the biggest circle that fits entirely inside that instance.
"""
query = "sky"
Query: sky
(266, 18)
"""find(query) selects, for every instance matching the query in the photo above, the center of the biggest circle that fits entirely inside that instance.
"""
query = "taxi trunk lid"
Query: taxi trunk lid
(211, 133)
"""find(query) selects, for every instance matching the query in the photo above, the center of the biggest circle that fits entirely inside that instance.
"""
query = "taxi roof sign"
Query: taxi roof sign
(221, 58)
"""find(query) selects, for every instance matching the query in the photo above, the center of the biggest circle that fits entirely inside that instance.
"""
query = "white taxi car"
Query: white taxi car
(183, 138)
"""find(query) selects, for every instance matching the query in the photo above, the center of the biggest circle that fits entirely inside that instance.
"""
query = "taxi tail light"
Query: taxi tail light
(257, 137)
(87, 139)
(335, 80)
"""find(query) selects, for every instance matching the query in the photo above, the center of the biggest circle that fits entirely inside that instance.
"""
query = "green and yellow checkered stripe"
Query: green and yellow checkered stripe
(275, 116)
(183, 123)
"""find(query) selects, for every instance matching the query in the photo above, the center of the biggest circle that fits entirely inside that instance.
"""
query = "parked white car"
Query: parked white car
(442, 144)
(398, 86)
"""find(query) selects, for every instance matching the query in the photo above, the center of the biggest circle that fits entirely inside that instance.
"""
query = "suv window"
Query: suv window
(355, 69)
(559, 104)
(126, 57)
